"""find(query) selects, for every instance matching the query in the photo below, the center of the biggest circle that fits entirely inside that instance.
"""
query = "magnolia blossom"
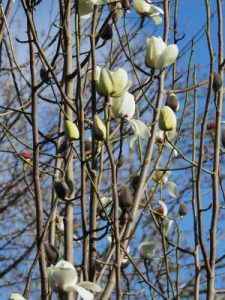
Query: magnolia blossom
(16, 296)
(63, 278)
(86, 7)
(161, 176)
(114, 84)
(159, 55)
(147, 9)
(124, 106)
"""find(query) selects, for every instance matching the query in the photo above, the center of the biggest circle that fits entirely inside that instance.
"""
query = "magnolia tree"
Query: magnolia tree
(112, 145)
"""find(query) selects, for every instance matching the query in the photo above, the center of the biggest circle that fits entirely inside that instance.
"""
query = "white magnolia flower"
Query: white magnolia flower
(147, 9)
(63, 278)
(124, 106)
(16, 296)
(114, 84)
(86, 7)
(159, 55)
(161, 176)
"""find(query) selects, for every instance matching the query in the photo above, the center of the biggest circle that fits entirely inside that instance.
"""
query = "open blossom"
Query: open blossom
(159, 55)
(114, 84)
(124, 106)
(16, 296)
(63, 278)
(145, 8)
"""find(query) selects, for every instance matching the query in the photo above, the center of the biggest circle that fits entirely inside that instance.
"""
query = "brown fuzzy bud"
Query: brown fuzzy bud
(125, 198)
(135, 181)
(120, 161)
(61, 188)
(107, 32)
(172, 102)
(217, 81)
(52, 254)
(45, 76)
(223, 137)
(126, 4)
(182, 209)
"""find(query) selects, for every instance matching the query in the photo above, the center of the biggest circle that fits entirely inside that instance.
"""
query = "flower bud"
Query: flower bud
(125, 198)
(161, 176)
(120, 161)
(223, 137)
(107, 32)
(52, 254)
(167, 119)
(45, 76)
(217, 81)
(135, 181)
(172, 102)
(161, 210)
(99, 129)
(126, 4)
(71, 131)
(61, 188)
(182, 209)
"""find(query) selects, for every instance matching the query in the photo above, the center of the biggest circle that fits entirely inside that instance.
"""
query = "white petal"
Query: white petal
(86, 9)
(98, 71)
(155, 47)
(142, 7)
(16, 296)
(121, 82)
(168, 56)
(90, 286)
(172, 188)
(155, 10)
(86, 295)
(157, 19)
(140, 129)
(123, 106)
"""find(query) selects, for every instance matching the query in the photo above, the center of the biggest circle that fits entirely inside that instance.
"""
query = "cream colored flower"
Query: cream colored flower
(147, 9)
(63, 278)
(114, 84)
(159, 55)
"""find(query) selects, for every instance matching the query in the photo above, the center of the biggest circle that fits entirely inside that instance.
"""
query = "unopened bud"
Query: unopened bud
(120, 161)
(135, 181)
(61, 188)
(107, 32)
(125, 198)
(71, 131)
(172, 102)
(99, 129)
(217, 81)
(182, 209)
(52, 254)
(44, 76)
(167, 119)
